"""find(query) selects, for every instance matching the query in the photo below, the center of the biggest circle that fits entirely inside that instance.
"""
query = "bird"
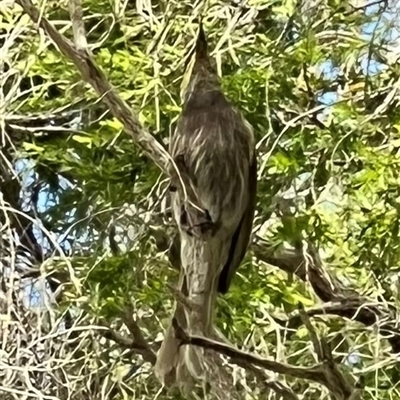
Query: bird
(213, 201)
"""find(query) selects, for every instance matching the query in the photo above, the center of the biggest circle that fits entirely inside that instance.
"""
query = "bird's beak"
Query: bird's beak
(201, 44)
(199, 53)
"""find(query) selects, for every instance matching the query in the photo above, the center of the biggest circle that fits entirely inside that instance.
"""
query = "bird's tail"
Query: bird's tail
(198, 282)
(178, 364)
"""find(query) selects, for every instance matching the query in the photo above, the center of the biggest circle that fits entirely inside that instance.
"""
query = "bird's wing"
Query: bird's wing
(241, 237)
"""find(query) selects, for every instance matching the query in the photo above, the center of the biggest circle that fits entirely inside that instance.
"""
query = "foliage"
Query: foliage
(319, 83)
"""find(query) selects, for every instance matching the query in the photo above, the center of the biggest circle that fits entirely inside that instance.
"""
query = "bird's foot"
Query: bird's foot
(196, 223)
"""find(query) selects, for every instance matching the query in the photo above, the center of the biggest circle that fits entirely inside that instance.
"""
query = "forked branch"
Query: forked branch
(338, 300)
(325, 372)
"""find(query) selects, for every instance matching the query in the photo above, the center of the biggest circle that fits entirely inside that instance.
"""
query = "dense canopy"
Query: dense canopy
(86, 254)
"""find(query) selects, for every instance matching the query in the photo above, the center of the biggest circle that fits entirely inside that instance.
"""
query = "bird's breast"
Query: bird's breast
(216, 145)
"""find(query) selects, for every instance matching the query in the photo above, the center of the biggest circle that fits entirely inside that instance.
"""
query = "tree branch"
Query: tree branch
(239, 356)
(325, 373)
(92, 74)
(138, 338)
(343, 301)
(293, 261)
(365, 6)
(138, 344)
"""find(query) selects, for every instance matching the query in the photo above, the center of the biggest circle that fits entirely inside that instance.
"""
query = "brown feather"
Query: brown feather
(241, 238)
(213, 145)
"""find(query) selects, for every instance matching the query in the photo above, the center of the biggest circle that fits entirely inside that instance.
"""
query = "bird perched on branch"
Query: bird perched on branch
(213, 205)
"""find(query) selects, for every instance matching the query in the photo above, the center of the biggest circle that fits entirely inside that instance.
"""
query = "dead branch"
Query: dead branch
(346, 308)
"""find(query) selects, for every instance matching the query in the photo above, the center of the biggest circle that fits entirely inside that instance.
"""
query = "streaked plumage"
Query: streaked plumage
(213, 147)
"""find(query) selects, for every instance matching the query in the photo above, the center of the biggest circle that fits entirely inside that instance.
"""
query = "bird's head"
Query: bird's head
(201, 72)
